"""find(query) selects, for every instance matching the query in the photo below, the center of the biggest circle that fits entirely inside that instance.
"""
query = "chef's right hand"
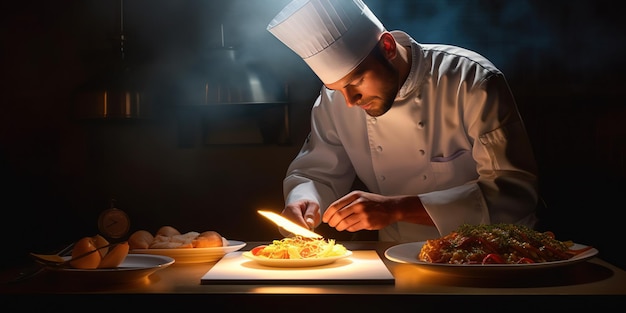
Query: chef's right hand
(305, 213)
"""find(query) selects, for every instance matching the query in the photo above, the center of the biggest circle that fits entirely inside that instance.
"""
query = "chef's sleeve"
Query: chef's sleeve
(321, 171)
(506, 190)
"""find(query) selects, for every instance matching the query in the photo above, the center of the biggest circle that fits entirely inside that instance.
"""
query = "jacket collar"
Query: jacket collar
(418, 65)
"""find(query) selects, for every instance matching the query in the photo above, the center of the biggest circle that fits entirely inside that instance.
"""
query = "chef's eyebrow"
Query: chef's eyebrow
(354, 78)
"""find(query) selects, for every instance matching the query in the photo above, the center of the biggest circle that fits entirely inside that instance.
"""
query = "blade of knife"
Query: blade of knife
(288, 225)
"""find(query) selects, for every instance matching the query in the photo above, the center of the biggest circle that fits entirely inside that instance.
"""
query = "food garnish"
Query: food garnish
(497, 244)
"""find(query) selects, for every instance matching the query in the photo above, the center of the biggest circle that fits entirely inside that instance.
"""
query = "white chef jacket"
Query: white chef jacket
(453, 137)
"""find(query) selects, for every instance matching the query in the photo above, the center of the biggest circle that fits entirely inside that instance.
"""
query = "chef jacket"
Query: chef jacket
(453, 137)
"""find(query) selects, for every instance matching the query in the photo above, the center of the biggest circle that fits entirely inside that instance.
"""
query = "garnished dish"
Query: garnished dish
(485, 248)
(497, 244)
(299, 247)
(298, 251)
(189, 247)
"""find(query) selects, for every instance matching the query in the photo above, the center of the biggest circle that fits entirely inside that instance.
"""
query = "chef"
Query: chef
(431, 130)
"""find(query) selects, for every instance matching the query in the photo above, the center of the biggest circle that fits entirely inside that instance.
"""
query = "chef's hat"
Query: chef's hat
(331, 36)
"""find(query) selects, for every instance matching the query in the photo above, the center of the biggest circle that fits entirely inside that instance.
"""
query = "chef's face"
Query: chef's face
(372, 86)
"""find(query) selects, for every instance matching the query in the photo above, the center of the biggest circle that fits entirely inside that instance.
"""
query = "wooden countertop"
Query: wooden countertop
(594, 280)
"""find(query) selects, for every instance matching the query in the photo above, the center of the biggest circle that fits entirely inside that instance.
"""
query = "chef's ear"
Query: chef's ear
(388, 45)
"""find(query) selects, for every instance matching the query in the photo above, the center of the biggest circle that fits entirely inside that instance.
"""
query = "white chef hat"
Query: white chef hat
(331, 36)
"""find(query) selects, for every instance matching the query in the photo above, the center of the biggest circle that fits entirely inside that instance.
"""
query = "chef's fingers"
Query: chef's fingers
(339, 204)
(352, 223)
(338, 220)
(312, 215)
(305, 213)
(310, 223)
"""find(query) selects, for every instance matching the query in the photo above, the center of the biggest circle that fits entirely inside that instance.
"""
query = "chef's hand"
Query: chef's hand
(361, 210)
(305, 213)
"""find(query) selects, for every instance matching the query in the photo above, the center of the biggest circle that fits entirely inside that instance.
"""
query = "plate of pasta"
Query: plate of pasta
(298, 252)
(491, 247)
(305, 262)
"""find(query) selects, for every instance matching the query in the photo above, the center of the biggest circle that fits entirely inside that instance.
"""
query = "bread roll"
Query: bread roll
(208, 239)
(141, 239)
(175, 241)
(168, 237)
(167, 231)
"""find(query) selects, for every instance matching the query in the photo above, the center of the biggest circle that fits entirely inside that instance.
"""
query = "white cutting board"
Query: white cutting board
(362, 267)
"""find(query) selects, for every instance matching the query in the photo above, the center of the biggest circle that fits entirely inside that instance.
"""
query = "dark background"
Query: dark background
(563, 60)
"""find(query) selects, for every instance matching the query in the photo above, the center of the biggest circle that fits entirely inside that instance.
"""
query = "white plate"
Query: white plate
(195, 255)
(135, 267)
(308, 262)
(408, 252)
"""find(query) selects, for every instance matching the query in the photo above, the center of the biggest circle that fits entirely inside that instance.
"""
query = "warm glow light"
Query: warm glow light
(127, 104)
(289, 225)
(362, 266)
(288, 290)
(106, 105)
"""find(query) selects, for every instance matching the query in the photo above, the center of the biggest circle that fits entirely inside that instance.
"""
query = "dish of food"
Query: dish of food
(298, 251)
(135, 267)
(168, 237)
(497, 244)
(408, 253)
(195, 255)
(306, 262)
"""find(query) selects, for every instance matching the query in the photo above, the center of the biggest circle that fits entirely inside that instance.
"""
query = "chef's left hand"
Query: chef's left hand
(361, 210)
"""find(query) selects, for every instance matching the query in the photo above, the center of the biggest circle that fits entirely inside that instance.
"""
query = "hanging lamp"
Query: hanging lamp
(118, 92)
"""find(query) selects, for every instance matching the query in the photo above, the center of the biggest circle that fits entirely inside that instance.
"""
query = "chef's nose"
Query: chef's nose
(352, 96)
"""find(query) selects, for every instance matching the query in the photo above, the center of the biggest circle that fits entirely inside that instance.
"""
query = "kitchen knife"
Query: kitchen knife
(289, 225)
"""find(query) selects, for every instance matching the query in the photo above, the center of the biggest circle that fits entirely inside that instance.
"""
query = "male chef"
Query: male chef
(431, 130)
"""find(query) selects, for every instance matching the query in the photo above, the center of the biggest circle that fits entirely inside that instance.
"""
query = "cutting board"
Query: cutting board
(362, 267)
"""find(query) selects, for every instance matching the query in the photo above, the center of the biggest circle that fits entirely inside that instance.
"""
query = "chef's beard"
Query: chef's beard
(383, 102)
